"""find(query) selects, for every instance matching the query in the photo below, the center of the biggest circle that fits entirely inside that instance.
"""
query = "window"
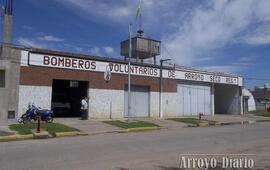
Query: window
(2, 78)
(74, 84)
(11, 114)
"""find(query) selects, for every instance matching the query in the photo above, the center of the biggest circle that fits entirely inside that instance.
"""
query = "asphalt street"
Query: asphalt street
(144, 150)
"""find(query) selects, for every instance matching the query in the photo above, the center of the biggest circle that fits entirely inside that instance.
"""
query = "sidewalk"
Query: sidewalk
(5, 129)
(92, 127)
(97, 127)
(88, 126)
(235, 119)
(163, 123)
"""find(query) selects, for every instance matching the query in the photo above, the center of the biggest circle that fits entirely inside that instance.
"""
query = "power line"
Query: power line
(256, 79)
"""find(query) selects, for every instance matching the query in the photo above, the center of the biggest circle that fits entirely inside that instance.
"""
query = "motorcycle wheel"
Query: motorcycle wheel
(49, 119)
(20, 120)
(26, 120)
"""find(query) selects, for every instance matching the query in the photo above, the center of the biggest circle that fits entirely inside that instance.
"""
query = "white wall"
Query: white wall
(251, 100)
(227, 99)
(154, 104)
(169, 104)
(193, 99)
(102, 102)
(39, 95)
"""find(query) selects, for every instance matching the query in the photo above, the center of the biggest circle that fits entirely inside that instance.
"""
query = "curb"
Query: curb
(103, 132)
(204, 123)
(264, 120)
(31, 136)
(242, 122)
(68, 134)
(140, 129)
(15, 137)
(236, 123)
(207, 124)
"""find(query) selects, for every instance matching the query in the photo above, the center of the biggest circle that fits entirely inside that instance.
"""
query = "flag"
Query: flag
(138, 10)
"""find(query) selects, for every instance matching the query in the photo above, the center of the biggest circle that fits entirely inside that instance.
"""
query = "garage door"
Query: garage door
(193, 99)
(139, 101)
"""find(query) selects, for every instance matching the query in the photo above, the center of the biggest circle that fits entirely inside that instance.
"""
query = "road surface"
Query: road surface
(145, 150)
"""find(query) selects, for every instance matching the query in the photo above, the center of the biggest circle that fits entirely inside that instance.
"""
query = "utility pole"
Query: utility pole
(8, 22)
(161, 87)
(129, 60)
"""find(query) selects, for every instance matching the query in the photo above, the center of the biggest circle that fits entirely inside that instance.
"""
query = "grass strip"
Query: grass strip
(189, 120)
(265, 114)
(131, 124)
(52, 128)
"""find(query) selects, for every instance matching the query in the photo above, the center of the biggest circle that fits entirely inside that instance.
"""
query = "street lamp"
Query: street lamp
(161, 87)
(129, 58)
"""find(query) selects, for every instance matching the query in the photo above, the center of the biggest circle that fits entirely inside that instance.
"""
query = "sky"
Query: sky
(216, 35)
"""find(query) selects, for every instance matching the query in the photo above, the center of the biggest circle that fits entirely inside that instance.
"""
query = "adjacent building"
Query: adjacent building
(262, 97)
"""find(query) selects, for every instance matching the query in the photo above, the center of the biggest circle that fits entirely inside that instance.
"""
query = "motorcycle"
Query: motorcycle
(32, 115)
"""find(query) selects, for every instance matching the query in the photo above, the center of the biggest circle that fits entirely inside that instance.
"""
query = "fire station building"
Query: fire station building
(59, 80)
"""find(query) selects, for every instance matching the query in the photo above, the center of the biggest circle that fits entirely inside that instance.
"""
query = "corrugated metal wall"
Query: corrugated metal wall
(193, 99)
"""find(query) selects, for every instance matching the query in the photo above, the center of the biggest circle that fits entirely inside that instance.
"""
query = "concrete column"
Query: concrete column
(7, 28)
(4, 93)
(3, 106)
(213, 99)
(241, 101)
(10, 94)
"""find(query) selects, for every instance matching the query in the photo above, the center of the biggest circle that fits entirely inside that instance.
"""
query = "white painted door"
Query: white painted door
(193, 99)
(139, 101)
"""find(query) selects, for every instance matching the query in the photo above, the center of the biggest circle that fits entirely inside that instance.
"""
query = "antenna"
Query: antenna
(142, 47)
(2, 9)
(8, 7)
(139, 18)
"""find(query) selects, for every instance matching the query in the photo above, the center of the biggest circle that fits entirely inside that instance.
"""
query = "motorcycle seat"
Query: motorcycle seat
(42, 111)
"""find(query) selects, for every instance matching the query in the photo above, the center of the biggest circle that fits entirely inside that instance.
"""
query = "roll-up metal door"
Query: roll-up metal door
(193, 99)
(139, 101)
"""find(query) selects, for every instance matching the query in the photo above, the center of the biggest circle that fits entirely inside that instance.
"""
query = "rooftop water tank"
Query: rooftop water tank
(142, 48)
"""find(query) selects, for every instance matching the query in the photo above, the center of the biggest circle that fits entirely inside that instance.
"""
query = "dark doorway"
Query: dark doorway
(67, 96)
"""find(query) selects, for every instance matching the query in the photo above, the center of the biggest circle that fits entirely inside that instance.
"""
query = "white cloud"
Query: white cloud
(27, 27)
(44, 41)
(51, 38)
(108, 50)
(239, 65)
(124, 11)
(245, 59)
(102, 51)
(259, 36)
(107, 9)
(30, 43)
(95, 51)
(213, 26)
(258, 40)
(223, 68)
(192, 31)
(79, 49)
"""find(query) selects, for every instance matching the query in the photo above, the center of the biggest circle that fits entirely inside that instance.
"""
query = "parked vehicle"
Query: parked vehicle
(32, 113)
